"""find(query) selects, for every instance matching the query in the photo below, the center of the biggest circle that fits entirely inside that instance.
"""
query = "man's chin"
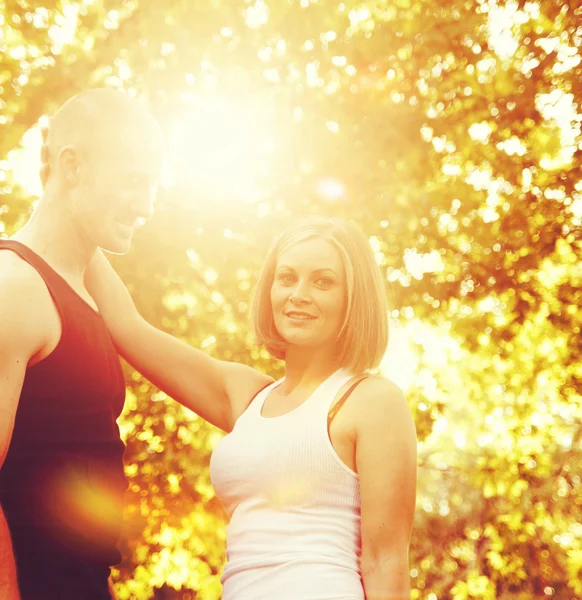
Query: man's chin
(120, 246)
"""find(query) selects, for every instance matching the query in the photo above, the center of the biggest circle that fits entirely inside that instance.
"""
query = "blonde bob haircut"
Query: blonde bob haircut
(363, 337)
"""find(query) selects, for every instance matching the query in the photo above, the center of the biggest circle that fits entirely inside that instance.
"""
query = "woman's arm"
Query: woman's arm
(216, 390)
(386, 465)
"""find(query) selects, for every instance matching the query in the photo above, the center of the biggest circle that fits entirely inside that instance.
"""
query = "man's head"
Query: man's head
(102, 158)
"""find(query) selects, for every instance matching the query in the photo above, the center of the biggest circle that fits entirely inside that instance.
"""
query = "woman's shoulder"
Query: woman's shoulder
(379, 399)
(378, 388)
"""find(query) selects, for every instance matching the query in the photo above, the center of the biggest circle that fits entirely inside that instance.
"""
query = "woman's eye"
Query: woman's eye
(286, 279)
(324, 281)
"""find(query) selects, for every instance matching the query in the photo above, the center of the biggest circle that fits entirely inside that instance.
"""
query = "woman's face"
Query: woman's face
(308, 295)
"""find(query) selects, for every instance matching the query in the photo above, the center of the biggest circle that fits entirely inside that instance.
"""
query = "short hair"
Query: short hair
(363, 336)
(89, 120)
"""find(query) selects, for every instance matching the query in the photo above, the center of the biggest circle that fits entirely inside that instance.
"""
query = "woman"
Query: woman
(318, 470)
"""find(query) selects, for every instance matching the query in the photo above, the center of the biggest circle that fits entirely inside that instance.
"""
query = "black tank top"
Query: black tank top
(62, 482)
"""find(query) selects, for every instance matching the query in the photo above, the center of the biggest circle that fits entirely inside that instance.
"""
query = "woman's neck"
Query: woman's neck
(306, 369)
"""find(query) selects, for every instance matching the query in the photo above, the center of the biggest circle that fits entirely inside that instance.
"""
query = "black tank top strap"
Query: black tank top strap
(336, 407)
(61, 292)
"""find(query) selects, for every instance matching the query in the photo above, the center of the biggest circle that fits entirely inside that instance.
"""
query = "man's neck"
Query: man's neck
(52, 234)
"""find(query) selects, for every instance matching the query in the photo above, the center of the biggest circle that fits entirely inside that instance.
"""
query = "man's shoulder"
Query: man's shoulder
(19, 281)
(24, 299)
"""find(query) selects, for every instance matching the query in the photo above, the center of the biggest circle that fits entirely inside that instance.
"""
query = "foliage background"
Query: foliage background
(450, 132)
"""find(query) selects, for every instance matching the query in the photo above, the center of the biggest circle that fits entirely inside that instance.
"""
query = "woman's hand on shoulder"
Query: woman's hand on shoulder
(112, 297)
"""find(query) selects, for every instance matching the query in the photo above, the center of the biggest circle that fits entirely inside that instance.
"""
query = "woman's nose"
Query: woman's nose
(299, 294)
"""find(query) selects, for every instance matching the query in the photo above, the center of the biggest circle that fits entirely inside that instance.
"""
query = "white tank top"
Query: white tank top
(294, 506)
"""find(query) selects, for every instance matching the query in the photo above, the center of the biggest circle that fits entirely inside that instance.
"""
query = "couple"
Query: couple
(317, 471)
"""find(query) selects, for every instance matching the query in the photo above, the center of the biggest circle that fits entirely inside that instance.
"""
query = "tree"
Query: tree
(450, 132)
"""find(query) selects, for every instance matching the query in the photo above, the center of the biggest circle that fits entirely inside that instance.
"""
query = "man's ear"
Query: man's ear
(69, 165)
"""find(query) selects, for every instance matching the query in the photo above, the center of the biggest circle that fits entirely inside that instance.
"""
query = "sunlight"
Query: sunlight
(65, 27)
(411, 342)
(25, 163)
(560, 109)
(256, 15)
(224, 146)
(331, 189)
(503, 23)
(400, 362)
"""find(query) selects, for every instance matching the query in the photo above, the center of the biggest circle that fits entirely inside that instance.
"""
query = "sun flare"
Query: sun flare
(224, 145)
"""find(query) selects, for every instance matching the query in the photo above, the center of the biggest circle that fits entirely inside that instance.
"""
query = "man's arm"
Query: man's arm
(21, 338)
(12, 370)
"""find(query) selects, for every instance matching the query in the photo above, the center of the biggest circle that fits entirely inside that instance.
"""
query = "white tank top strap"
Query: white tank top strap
(327, 391)
(256, 404)
(337, 382)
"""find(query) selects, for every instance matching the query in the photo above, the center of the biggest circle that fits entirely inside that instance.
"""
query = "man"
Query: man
(61, 385)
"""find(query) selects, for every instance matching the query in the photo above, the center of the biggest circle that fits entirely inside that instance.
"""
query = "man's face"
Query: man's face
(117, 188)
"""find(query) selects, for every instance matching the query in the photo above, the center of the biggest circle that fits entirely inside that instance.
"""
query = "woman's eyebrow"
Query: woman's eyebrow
(315, 271)
(324, 270)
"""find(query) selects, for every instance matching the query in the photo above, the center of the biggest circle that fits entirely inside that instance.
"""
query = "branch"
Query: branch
(63, 80)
